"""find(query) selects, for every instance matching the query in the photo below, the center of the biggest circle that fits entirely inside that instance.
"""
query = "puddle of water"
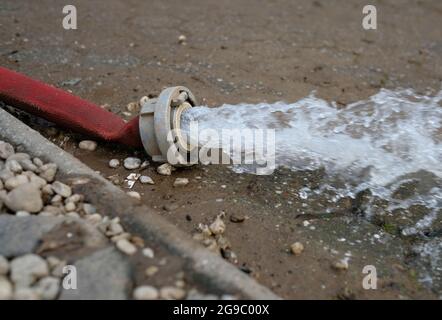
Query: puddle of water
(389, 144)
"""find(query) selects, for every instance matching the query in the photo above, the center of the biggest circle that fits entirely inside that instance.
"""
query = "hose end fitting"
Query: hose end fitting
(160, 124)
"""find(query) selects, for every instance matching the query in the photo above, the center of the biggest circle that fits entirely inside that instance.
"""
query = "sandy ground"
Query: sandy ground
(242, 51)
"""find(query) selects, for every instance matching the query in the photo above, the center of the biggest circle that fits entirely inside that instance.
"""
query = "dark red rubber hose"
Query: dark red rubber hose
(65, 109)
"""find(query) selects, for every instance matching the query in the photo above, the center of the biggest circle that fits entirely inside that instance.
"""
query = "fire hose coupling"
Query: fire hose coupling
(160, 125)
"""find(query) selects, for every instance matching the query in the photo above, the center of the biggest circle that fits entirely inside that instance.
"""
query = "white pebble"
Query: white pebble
(134, 194)
(180, 182)
(132, 163)
(88, 145)
(5, 289)
(63, 190)
(218, 226)
(172, 293)
(25, 270)
(125, 246)
(6, 150)
(165, 169)
(114, 163)
(146, 180)
(148, 252)
(146, 293)
(47, 288)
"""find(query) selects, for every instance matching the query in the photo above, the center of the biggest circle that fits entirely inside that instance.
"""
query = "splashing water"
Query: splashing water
(385, 143)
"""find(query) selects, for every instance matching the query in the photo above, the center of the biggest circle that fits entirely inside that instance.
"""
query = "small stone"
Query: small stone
(75, 198)
(14, 166)
(47, 190)
(88, 145)
(133, 107)
(4, 266)
(125, 246)
(146, 293)
(26, 197)
(56, 200)
(16, 181)
(73, 214)
(25, 270)
(170, 206)
(63, 190)
(144, 165)
(37, 162)
(22, 214)
(132, 163)
(182, 39)
(151, 271)
(146, 180)
(114, 229)
(114, 163)
(134, 194)
(297, 248)
(5, 289)
(172, 293)
(180, 182)
(70, 206)
(94, 218)
(89, 209)
(40, 182)
(340, 265)
(48, 171)
(218, 226)
(148, 252)
(6, 150)
(53, 262)
(237, 218)
(28, 165)
(26, 294)
(165, 169)
(48, 288)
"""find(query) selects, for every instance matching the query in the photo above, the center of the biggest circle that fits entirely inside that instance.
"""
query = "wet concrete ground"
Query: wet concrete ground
(241, 51)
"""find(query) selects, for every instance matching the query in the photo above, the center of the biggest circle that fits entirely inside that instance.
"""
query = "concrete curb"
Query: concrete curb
(207, 268)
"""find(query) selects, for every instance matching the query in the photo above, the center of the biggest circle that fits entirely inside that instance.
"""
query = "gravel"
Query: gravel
(172, 293)
(148, 252)
(341, 265)
(126, 247)
(146, 293)
(146, 180)
(181, 182)
(297, 248)
(134, 194)
(25, 270)
(114, 163)
(6, 150)
(165, 169)
(26, 197)
(237, 218)
(63, 190)
(88, 145)
(217, 227)
(132, 163)
(48, 288)
(6, 290)
(48, 171)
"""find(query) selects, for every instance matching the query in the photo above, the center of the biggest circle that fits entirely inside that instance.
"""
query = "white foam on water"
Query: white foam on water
(390, 139)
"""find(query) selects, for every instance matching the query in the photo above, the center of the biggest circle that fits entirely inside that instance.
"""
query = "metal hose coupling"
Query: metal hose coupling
(160, 125)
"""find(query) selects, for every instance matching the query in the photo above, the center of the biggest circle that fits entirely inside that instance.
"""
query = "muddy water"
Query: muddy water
(384, 152)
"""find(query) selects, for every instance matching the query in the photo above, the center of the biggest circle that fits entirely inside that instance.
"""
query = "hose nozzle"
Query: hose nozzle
(160, 125)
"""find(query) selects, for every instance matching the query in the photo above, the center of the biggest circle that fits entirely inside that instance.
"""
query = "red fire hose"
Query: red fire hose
(66, 110)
